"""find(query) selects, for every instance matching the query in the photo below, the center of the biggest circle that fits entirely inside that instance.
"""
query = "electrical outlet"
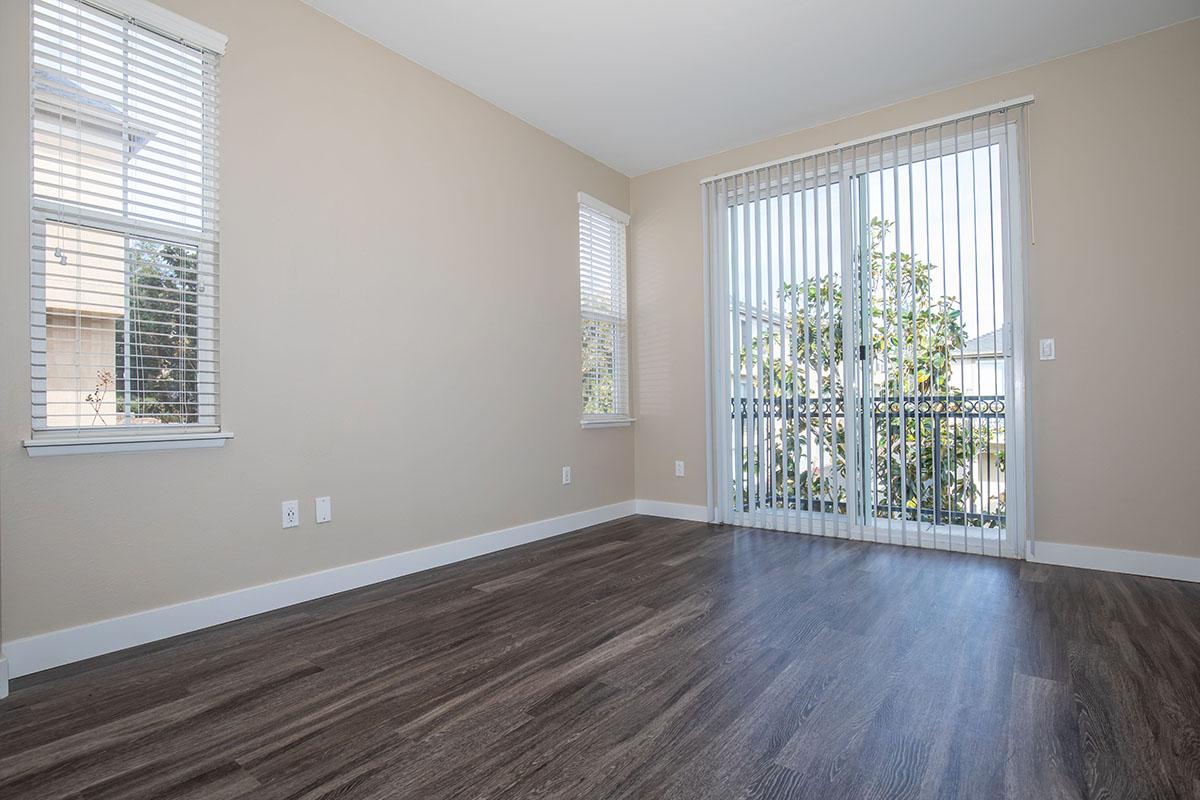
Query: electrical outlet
(324, 511)
(678, 469)
(566, 475)
(1046, 349)
(291, 513)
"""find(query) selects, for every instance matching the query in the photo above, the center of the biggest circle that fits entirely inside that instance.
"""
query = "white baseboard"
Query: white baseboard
(1133, 562)
(47, 650)
(661, 508)
(3, 678)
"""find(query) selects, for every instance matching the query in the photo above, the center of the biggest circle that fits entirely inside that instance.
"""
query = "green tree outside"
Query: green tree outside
(157, 339)
(920, 462)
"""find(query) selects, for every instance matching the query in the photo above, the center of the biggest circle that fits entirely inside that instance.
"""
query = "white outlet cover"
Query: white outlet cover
(566, 475)
(291, 513)
(324, 510)
(678, 469)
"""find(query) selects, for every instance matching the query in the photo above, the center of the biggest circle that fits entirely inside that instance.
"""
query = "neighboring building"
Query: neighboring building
(978, 370)
(84, 267)
(82, 310)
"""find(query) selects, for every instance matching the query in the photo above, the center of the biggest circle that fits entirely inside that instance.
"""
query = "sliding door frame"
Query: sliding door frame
(844, 167)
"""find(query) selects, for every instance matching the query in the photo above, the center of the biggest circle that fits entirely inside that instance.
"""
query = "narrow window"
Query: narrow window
(604, 316)
(124, 223)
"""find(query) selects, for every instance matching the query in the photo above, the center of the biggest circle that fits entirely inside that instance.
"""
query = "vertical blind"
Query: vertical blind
(124, 302)
(861, 308)
(604, 314)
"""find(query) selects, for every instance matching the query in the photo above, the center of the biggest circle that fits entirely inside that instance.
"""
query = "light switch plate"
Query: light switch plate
(324, 509)
(566, 475)
(1046, 349)
(678, 469)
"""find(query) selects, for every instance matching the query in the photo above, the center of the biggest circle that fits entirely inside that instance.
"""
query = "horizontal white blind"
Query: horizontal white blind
(604, 315)
(124, 225)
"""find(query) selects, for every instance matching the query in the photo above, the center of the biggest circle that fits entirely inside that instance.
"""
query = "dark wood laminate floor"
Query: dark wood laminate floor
(649, 658)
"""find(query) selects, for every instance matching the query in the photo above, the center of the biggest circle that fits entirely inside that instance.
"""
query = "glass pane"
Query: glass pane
(789, 433)
(599, 339)
(930, 269)
(123, 323)
(157, 339)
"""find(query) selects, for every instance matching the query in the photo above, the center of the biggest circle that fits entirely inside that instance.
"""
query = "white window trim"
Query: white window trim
(123, 444)
(607, 421)
(165, 22)
(620, 216)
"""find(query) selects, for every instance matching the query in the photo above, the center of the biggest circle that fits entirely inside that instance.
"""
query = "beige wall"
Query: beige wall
(399, 331)
(1115, 278)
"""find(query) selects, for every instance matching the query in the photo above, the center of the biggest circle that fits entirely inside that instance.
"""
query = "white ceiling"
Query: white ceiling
(645, 84)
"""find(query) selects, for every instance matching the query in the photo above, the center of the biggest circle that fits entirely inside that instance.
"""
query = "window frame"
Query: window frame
(621, 415)
(206, 431)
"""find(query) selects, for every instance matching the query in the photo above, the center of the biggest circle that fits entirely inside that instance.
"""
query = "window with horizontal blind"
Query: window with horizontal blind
(124, 287)
(604, 314)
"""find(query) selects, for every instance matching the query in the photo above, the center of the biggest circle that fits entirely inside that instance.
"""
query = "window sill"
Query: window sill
(123, 444)
(607, 422)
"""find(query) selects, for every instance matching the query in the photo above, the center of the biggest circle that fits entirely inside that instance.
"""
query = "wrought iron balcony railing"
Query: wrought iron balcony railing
(964, 428)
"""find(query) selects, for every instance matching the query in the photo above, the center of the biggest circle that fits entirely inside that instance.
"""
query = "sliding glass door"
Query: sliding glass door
(862, 305)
